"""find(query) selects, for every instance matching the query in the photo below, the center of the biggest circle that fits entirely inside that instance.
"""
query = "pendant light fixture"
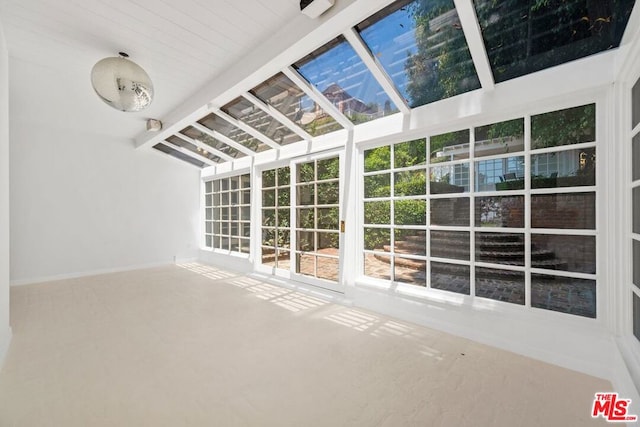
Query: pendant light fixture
(122, 84)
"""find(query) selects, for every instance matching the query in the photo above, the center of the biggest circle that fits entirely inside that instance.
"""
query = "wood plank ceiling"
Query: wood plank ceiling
(182, 45)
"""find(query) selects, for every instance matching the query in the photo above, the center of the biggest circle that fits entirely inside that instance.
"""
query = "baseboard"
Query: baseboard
(4, 346)
(97, 272)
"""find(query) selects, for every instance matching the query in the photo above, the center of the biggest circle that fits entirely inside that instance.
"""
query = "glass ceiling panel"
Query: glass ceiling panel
(338, 72)
(281, 93)
(177, 154)
(179, 142)
(225, 128)
(242, 109)
(422, 47)
(524, 36)
(194, 133)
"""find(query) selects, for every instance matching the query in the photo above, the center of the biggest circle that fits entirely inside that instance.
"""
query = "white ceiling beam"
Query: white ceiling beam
(376, 69)
(204, 146)
(473, 34)
(317, 97)
(282, 118)
(245, 127)
(189, 153)
(224, 139)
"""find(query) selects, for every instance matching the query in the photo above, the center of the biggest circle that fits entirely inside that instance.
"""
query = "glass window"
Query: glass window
(225, 128)
(569, 168)
(564, 294)
(340, 75)
(500, 211)
(500, 285)
(244, 110)
(636, 210)
(178, 155)
(506, 173)
(636, 316)
(451, 178)
(564, 252)
(450, 244)
(636, 262)
(377, 159)
(635, 104)
(523, 36)
(451, 212)
(276, 216)
(564, 127)
(500, 248)
(228, 222)
(180, 142)
(564, 211)
(499, 138)
(281, 93)
(423, 49)
(449, 146)
(318, 218)
(207, 139)
(451, 277)
(636, 158)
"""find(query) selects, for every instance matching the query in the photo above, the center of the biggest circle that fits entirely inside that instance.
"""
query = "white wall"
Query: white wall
(84, 201)
(5, 331)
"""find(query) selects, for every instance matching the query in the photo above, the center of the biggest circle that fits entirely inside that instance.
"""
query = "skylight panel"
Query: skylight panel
(178, 155)
(335, 67)
(179, 142)
(225, 128)
(523, 36)
(243, 110)
(422, 48)
(194, 133)
(282, 94)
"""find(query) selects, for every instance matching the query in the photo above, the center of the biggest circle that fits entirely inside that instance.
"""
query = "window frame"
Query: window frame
(599, 97)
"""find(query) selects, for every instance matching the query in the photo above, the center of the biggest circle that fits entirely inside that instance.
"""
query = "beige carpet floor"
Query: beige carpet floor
(193, 345)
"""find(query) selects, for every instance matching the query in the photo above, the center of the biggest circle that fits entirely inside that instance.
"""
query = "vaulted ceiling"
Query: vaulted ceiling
(181, 44)
(237, 78)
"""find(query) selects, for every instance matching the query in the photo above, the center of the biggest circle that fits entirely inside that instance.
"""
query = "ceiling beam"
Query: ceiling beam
(203, 146)
(376, 69)
(189, 153)
(245, 127)
(317, 97)
(224, 139)
(473, 34)
(282, 118)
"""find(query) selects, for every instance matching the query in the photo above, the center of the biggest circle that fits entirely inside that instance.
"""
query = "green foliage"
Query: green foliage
(410, 212)
(442, 66)
(438, 142)
(507, 129)
(377, 159)
(570, 126)
(410, 183)
(410, 153)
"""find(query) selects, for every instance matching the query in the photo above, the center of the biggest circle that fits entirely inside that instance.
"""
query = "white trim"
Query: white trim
(217, 135)
(317, 97)
(473, 35)
(246, 128)
(189, 153)
(376, 69)
(96, 272)
(278, 116)
(202, 145)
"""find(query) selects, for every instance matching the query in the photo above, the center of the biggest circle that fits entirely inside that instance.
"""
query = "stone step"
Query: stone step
(403, 262)
(407, 244)
(407, 250)
(416, 238)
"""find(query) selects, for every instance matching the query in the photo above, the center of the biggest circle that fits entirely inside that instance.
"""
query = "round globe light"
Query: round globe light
(122, 84)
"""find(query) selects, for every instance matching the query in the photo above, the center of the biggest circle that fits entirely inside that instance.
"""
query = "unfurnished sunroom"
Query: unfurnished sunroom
(477, 156)
(468, 165)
